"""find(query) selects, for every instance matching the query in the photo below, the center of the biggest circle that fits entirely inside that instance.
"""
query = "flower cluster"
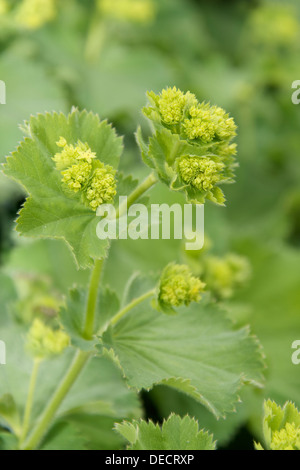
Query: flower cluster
(140, 11)
(82, 172)
(192, 149)
(43, 341)
(33, 14)
(199, 172)
(184, 115)
(178, 287)
(281, 427)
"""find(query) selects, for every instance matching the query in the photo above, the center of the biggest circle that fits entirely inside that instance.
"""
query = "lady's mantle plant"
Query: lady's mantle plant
(69, 166)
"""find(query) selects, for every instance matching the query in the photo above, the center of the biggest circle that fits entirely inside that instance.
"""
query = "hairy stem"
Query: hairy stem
(92, 300)
(29, 403)
(150, 181)
(76, 367)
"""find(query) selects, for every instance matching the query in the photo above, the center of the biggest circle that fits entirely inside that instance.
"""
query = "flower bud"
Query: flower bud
(178, 287)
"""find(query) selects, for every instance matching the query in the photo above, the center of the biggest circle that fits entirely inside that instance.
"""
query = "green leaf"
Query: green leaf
(39, 259)
(8, 441)
(9, 414)
(176, 434)
(273, 299)
(197, 352)
(98, 430)
(162, 154)
(137, 286)
(99, 390)
(64, 436)
(35, 92)
(50, 212)
(108, 306)
(72, 316)
(126, 184)
(167, 401)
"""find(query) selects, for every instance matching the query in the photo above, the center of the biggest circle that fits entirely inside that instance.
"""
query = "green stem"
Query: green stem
(92, 300)
(127, 309)
(29, 403)
(139, 191)
(35, 438)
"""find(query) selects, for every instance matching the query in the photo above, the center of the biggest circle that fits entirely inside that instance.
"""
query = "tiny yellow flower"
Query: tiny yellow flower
(72, 154)
(77, 176)
(102, 187)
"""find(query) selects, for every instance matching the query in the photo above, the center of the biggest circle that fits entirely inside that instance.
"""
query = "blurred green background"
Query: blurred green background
(242, 55)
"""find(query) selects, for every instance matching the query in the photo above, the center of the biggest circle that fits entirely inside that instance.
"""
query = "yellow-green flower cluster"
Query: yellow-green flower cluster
(82, 172)
(184, 115)
(33, 14)
(201, 173)
(43, 341)
(70, 154)
(224, 276)
(102, 188)
(281, 427)
(207, 122)
(178, 286)
(191, 149)
(140, 11)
